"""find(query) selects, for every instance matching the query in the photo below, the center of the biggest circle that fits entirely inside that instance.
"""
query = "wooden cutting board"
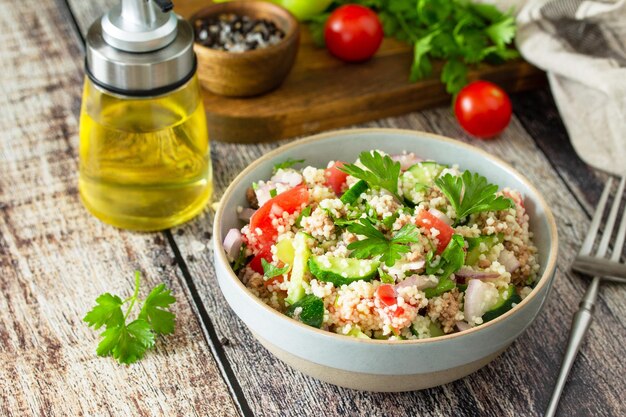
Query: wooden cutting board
(323, 93)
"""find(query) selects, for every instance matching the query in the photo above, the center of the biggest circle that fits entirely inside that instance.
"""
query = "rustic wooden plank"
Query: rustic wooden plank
(518, 383)
(55, 258)
(322, 93)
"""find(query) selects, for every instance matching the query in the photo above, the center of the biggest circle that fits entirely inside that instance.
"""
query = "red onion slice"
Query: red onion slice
(232, 243)
(246, 214)
(421, 282)
(466, 272)
(290, 178)
(462, 326)
(407, 160)
(508, 259)
(479, 298)
(438, 214)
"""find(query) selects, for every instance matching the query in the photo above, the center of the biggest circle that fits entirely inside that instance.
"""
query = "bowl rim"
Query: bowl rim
(545, 279)
(233, 6)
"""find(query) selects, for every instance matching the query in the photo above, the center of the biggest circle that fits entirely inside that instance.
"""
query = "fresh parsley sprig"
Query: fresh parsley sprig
(382, 171)
(288, 163)
(271, 271)
(128, 342)
(376, 244)
(471, 194)
(460, 32)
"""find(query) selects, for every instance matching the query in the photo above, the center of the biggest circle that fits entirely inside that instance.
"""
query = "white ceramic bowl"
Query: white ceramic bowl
(379, 365)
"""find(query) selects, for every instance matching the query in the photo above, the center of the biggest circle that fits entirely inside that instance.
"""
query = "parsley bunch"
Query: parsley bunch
(460, 32)
(471, 194)
(375, 242)
(128, 342)
(382, 171)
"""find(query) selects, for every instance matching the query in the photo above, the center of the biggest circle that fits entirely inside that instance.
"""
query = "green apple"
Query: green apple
(304, 9)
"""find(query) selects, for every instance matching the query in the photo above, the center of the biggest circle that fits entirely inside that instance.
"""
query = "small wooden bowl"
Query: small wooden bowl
(250, 73)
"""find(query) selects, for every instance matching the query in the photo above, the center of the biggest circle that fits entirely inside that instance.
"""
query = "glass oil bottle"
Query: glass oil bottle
(144, 148)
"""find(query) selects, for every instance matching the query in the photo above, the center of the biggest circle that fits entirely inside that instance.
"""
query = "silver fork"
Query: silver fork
(582, 318)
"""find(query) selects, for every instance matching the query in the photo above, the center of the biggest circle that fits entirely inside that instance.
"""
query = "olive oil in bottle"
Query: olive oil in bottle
(144, 150)
(144, 162)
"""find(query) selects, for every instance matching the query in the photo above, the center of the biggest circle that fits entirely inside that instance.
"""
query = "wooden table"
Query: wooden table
(55, 259)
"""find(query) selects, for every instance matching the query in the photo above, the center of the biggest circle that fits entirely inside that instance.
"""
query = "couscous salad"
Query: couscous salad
(388, 247)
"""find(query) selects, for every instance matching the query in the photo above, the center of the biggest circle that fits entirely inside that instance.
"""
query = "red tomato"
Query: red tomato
(264, 253)
(288, 201)
(483, 109)
(353, 33)
(428, 221)
(387, 295)
(335, 178)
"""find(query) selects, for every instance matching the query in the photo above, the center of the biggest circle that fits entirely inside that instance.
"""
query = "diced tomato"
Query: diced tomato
(289, 201)
(428, 221)
(386, 294)
(264, 253)
(274, 280)
(335, 178)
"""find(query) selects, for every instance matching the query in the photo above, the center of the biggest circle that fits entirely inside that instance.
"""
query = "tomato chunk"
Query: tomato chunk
(386, 293)
(264, 253)
(335, 178)
(429, 221)
(289, 201)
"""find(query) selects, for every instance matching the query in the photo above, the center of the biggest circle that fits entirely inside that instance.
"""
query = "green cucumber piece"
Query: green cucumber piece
(435, 330)
(474, 245)
(426, 172)
(295, 290)
(354, 192)
(312, 312)
(356, 332)
(507, 298)
(342, 271)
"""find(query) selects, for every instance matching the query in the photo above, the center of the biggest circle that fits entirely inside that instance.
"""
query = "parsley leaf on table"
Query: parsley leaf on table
(288, 163)
(127, 343)
(154, 310)
(271, 271)
(382, 171)
(376, 244)
(471, 194)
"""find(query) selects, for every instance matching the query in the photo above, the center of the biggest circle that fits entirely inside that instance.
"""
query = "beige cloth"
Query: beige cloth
(582, 47)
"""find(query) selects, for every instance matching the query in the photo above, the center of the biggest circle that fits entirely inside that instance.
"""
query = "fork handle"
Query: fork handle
(580, 325)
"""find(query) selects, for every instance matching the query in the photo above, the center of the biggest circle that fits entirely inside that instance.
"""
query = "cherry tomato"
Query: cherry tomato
(353, 33)
(428, 221)
(289, 201)
(335, 178)
(483, 109)
(264, 253)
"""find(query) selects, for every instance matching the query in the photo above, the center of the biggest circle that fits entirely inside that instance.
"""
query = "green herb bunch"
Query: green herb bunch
(128, 342)
(459, 32)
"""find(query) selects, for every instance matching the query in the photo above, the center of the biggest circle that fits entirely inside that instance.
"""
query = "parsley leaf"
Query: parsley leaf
(306, 212)
(271, 271)
(127, 343)
(376, 244)
(471, 194)
(450, 261)
(241, 259)
(382, 171)
(154, 310)
(288, 163)
(107, 313)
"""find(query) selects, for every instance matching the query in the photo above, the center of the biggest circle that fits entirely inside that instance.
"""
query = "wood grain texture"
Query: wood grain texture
(322, 93)
(55, 259)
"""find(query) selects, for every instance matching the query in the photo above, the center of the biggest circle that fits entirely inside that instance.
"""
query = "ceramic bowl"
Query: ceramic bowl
(378, 365)
(250, 73)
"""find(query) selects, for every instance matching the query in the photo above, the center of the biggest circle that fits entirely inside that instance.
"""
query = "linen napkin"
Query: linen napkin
(581, 44)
